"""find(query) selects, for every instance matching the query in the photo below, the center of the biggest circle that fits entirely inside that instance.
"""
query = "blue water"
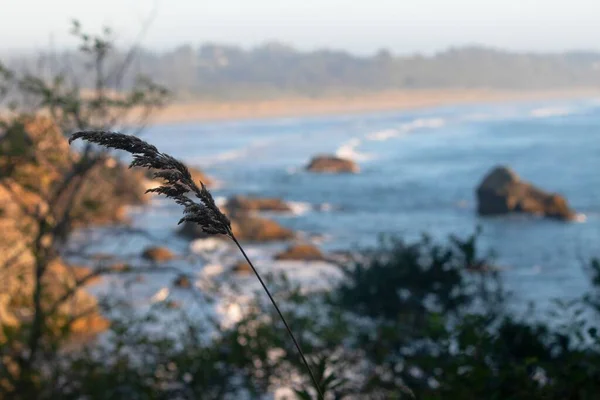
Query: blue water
(419, 176)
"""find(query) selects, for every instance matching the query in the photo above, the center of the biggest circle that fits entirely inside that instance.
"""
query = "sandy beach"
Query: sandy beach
(383, 101)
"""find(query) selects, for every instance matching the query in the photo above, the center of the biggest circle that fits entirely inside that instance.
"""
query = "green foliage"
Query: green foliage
(430, 347)
(407, 281)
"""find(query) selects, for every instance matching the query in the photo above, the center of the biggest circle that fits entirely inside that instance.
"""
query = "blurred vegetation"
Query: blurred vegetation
(46, 191)
(273, 70)
(408, 321)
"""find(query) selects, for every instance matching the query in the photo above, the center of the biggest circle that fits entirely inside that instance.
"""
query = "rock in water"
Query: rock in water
(502, 192)
(332, 164)
(158, 254)
(256, 229)
(183, 282)
(245, 227)
(242, 268)
(244, 204)
(303, 252)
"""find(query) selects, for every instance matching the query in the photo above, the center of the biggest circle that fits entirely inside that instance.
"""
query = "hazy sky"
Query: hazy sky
(361, 26)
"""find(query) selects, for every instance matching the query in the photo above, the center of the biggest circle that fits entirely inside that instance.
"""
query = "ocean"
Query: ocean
(419, 171)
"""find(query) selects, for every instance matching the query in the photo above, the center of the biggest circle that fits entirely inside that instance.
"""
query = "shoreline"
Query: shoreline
(205, 110)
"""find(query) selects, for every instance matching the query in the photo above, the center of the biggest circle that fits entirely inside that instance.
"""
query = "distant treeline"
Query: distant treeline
(275, 70)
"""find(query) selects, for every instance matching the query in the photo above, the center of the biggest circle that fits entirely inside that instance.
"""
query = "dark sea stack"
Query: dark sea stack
(332, 164)
(503, 192)
(301, 252)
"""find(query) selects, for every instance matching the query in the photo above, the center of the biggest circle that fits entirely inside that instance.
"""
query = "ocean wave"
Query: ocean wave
(233, 155)
(348, 150)
(547, 112)
(420, 123)
(423, 123)
(383, 135)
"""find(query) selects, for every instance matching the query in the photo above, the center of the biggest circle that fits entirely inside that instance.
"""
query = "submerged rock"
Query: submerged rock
(304, 252)
(158, 254)
(332, 164)
(242, 268)
(502, 192)
(183, 282)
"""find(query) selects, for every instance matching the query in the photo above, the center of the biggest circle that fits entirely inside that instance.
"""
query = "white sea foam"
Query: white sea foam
(423, 123)
(208, 245)
(233, 155)
(211, 270)
(580, 217)
(348, 150)
(230, 313)
(160, 296)
(299, 208)
(383, 135)
(547, 112)
(420, 123)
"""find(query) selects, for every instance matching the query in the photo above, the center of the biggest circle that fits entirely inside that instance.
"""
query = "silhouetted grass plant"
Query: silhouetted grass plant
(178, 185)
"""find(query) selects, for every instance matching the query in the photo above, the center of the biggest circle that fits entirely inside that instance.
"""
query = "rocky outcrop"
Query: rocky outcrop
(502, 192)
(158, 254)
(17, 285)
(35, 155)
(245, 227)
(302, 252)
(257, 229)
(332, 164)
(34, 159)
(238, 204)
